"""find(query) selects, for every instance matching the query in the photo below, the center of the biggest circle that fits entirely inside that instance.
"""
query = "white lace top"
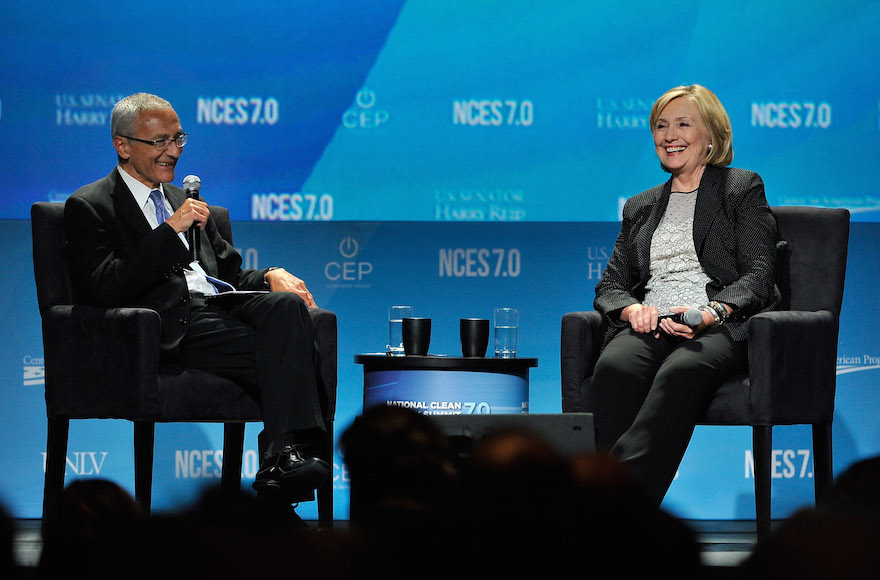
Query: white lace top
(677, 279)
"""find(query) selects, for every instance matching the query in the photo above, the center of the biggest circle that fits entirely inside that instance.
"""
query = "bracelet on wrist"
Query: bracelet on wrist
(715, 317)
(720, 309)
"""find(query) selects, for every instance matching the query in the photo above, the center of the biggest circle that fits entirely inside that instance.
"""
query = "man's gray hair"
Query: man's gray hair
(126, 112)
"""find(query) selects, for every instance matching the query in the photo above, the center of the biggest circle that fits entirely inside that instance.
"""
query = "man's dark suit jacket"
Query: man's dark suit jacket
(735, 237)
(118, 260)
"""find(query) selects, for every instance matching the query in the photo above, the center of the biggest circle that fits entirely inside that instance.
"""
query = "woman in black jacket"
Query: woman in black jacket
(693, 261)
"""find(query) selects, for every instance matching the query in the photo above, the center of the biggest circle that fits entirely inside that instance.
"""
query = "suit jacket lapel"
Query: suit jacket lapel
(175, 198)
(127, 210)
(207, 258)
(709, 203)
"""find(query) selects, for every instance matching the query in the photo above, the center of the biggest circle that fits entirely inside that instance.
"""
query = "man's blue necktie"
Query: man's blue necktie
(162, 215)
(161, 212)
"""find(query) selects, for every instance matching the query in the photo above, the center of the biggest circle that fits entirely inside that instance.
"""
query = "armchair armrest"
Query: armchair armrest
(792, 366)
(581, 342)
(92, 352)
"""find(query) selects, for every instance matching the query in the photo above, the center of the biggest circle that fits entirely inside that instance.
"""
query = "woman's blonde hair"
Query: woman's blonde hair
(714, 117)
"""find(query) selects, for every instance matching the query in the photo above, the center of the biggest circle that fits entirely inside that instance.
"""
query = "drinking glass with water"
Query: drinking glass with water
(396, 314)
(506, 325)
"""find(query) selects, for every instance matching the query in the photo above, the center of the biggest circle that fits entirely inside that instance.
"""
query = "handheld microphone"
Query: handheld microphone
(191, 184)
(692, 317)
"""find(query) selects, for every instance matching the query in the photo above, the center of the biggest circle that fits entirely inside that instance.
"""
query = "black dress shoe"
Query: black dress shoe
(291, 475)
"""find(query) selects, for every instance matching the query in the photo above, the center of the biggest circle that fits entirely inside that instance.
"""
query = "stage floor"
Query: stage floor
(723, 544)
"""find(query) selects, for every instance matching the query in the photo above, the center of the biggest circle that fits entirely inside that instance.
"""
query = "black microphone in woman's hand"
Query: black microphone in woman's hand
(692, 317)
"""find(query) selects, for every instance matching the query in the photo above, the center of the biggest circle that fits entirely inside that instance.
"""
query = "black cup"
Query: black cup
(474, 336)
(416, 335)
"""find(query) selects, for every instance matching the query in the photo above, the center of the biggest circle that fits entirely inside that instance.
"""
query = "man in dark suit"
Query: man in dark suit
(127, 239)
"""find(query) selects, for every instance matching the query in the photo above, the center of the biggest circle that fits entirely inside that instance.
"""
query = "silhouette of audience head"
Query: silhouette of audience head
(7, 541)
(510, 468)
(510, 504)
(839, 539)
(400, 465)
(527, 499)
(89, 516)
(858, 487)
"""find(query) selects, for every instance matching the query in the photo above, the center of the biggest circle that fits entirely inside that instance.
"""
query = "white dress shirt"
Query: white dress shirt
(196, 277)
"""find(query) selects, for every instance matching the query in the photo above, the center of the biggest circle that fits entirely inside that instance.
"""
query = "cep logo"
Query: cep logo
(348, 247)
(365, 114)
(348, 270)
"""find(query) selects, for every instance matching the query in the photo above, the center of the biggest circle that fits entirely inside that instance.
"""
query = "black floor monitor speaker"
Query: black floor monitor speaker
(569, 433)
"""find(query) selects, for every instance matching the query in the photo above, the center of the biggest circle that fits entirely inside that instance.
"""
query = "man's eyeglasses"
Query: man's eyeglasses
(163, 144)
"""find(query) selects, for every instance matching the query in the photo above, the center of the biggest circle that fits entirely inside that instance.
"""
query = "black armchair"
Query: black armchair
(792, 352)
(104, 363)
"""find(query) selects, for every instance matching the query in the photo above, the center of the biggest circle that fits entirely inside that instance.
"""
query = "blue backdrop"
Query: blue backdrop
(372, 148)
(358, 269)
(440, 109)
